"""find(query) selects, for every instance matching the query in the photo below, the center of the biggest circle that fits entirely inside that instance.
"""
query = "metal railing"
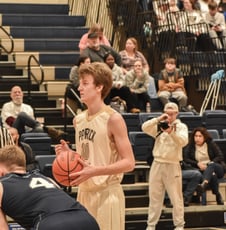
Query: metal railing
(31, 75)
(11, 41)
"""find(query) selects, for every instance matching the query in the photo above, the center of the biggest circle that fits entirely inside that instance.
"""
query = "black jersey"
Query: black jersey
(30, 197)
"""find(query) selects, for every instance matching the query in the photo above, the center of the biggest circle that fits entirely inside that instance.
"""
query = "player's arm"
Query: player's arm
(3, 221)
(117, 131)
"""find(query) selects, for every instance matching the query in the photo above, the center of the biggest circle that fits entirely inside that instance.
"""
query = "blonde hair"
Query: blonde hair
(12, 155)
(134, 41)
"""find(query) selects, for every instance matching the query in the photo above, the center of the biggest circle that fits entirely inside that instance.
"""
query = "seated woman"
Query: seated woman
(204, 154)
(119, 88)
(138, 81)
(131, 54)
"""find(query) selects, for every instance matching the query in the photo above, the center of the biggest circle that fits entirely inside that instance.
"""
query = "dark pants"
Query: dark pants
(125, 94)
(24, 120)
(213, 172)
(70, 220)
(141, 100)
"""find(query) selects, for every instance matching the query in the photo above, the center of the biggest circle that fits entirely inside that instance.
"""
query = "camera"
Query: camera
(163, 125)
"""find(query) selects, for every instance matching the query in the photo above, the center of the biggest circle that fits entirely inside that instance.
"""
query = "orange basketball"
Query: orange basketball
(65, 164)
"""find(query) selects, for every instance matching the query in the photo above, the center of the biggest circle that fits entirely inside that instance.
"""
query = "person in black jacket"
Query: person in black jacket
(35, 201)
(204, 154)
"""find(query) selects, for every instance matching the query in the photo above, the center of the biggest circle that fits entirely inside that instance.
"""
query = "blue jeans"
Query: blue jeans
(192, 177)
(213, 172)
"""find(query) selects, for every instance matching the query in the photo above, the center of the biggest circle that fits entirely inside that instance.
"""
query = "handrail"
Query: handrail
(30, 74)
(11, 39)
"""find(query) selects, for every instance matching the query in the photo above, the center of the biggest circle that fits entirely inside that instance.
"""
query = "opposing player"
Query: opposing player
(35, 201)
(102, 140)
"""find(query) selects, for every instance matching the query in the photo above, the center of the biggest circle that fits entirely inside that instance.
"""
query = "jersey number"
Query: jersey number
(40, 182)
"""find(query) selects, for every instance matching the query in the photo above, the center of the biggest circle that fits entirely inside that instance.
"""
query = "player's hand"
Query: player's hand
(83, 175)
(63, 146)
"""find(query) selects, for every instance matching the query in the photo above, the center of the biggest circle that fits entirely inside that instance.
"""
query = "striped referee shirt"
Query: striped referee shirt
(5, 137)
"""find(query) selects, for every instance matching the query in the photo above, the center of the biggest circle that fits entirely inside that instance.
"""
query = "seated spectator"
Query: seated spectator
(95, 28)
(118, 87)
(96, 52)
(217, 29)
(204, 154)
(171, 84)
(72, 99)
(197, 27)
(19, 115)
(138, 81)
(131, 54)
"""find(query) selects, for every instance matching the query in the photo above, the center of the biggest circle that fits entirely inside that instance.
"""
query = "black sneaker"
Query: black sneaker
(219, 199)
(201, 188)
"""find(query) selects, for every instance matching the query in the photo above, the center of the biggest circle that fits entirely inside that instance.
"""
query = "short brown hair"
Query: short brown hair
(12, 155)
(212, 5)
(101, 73)
(170, 61)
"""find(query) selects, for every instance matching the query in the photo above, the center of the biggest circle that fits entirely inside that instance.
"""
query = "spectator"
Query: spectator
(21, 116)
(131, 54)
(217, 29)
(170, 137)
(138, 81)
(205, 155)
(73, 100)
(95, 28)
(96, 52)
(17, 109)
(118, 87)
(102, 140)
(38, 203)
(171, 84)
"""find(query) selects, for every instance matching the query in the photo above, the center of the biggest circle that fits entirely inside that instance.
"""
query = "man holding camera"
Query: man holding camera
(171, 135)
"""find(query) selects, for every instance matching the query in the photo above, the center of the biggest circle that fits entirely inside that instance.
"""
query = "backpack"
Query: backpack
(118, 104)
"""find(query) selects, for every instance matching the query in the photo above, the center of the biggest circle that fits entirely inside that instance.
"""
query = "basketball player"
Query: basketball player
(35, 201)
(102, 140)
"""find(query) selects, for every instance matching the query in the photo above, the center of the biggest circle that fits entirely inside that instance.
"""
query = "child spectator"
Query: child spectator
(171, 84)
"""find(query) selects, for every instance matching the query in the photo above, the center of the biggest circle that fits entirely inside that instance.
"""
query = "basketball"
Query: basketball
(65, 164)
